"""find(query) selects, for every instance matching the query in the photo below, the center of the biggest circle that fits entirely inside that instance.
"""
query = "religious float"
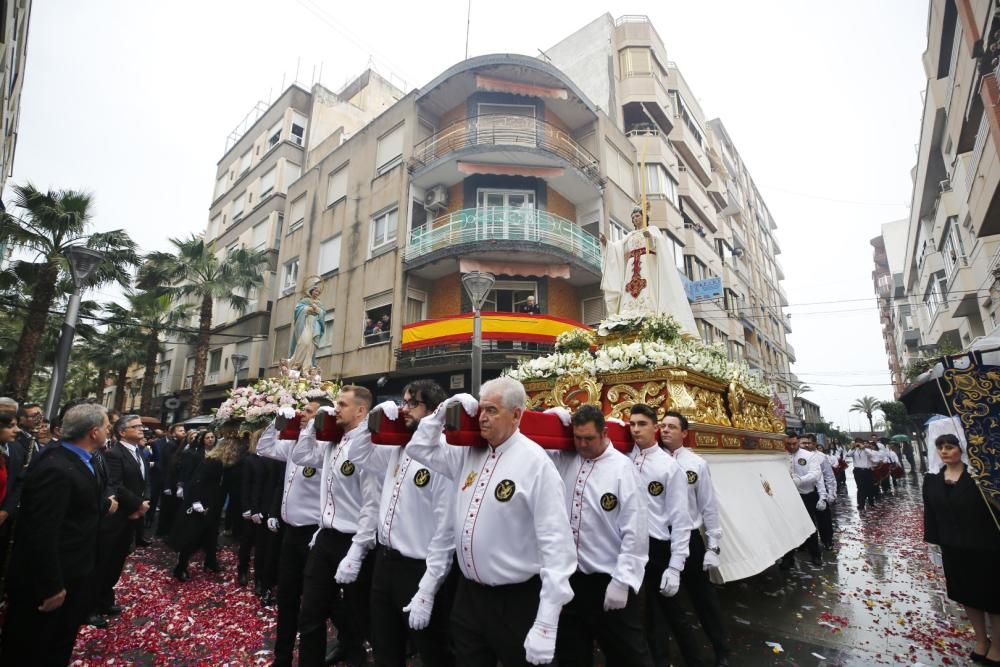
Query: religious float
(633, 359)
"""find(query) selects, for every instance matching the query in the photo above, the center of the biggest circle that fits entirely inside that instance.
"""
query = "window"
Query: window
(289, 276)
(678, 250)
(326, 342)
(695, 269)
(336, 186)
(215, 360)
(735, 351)
(507, 296)
(616, 230)
(274, 135)
(936, 294)
(267, 182)
(636, 61)
(329, 255)
(292, 173)
(245, 162)
(221, 186)
(506, 124)
(416, 301)
(593, 310)
(213, 228)
(681, 110)
(232, 248)
(706, 330)
(383, 229)
(251, 299)
(619, 169)
(952, 249)
(238, 205)
(298, 128)
(163, 371)
(377, 326)
(259, 237)
(297, 213)
(389, 152)
(281, 336)
(660, 183)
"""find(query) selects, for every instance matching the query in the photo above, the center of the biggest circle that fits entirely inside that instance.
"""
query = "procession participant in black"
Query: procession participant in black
(298, 507)
(127, 475)
(252, 479)
(166, 470)
(411, 586)
(670, 527)
(348, 514)
(864, 474)
(827, 489)
(606, 501)
(188, 459)
(513, 542)
(270, 530)
(53, 561)
(204, 495)
(807, 474)
(702, 557)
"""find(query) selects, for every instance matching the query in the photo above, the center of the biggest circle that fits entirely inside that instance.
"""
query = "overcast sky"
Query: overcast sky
(133, 102)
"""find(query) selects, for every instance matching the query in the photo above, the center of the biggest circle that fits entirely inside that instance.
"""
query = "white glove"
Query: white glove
(468, 402)
(821, 505)
(328, 410)
(670, 582)
(180, 492)
(350, 565)
(246, 515)
(287, 412)
(540, 644)
(711, 562)
(616, 596)
(614, 420)
(198, 507)
(420, 609)
(168, 492)
(257, 518)
(389, 409)
(564, 415)
(272, 525)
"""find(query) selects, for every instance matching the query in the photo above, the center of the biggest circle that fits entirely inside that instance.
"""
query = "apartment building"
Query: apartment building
(515, 165)
(950, 294)
(889, 250)
(265, 155)
(15, 17)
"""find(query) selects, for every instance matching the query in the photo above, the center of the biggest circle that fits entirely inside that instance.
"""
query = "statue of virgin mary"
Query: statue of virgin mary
(308, 326)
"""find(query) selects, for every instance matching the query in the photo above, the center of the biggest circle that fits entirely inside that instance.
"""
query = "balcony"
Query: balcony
(790, 351)
(526, 235)
(510, 145)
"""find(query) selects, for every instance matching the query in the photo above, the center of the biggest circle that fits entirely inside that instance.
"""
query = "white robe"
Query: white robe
(662, 291)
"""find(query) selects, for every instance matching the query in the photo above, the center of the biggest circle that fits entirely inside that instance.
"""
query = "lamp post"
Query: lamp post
(82, 264)
(134, 388)
(477, 285)
(238, 361)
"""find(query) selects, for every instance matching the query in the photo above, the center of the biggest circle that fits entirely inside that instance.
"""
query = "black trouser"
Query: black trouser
(490, 623)
(113, 545)
(322, 599)
(618, 632)
(865, 479)
(265, 560)
(155, 489)
(824, 524)
(44, 639)
(209, 543)
(168, 510)
(812, 542)
(394, 583)
(909, 459)
(248, 540)
(291, 574)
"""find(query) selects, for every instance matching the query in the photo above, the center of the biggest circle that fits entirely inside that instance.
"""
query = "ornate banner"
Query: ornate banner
(973, 394)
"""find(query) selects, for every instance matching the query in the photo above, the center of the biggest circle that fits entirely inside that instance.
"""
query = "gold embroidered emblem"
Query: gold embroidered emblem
(470, 478)
(692, 477)
(609, 501)
(801, 462)
(505, 490)
(422, 477)
(308, 472)
(347, 469)
(655, 488)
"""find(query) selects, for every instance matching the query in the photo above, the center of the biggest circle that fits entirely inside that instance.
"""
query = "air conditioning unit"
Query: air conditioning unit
(436, 198)
(737, 252)
(945, 185)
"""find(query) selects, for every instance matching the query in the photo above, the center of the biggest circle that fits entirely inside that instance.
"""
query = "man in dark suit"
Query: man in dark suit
(165, 454)
(16, 464)
(127, 474)
(54, 556)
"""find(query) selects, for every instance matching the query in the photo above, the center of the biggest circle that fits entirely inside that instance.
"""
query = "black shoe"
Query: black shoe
(143, 543)
(181, 573)
(336, 654)
(97, 621)
(267, 599)
(113, 610)
(817, 561)
(258, 589)
(979, 657)
(787, 563)
(213, 567)
(242, 578)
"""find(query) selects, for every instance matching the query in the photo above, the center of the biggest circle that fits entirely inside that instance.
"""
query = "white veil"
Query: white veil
(939, 425)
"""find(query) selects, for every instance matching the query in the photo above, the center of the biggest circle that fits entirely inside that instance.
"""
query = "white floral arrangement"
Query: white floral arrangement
(620, 324)
(257, 405)
(649, 327)
(554, 365)
(575, 340)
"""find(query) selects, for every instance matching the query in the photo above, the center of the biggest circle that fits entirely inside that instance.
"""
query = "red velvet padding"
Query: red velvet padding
(327, 429)
(288, 429)
(387, 431)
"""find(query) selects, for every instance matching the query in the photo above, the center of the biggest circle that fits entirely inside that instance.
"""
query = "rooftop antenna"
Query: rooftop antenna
(468, 22)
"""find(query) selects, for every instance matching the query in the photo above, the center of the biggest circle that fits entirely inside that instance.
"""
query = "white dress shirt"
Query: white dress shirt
(701, 495)
(862, 458)
(806, 471)
(829, 492)
(416, 513)
(300, 498)
(349, 496)
(667, 500)
(607, 514)
(134, 451)
(510, 513)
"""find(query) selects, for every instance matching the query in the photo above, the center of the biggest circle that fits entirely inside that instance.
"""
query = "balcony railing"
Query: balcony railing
(504, 223)
(504, 130)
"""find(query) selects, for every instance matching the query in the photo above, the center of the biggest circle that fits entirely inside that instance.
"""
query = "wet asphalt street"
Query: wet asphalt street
(877, 599)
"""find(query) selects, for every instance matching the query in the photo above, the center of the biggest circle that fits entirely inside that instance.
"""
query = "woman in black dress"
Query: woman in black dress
(204, 496)
(959, 520)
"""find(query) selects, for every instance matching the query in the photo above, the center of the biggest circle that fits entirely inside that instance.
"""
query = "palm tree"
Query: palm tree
(868, 405)
(150, 314)
(195, 271)
(54, 221)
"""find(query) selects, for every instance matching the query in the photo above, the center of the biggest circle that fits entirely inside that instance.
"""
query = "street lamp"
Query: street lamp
(134, 388)
(477, 285)
(82, 264)
(238, 361)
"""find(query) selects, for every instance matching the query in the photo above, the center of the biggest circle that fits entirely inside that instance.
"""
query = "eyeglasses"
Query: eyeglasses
(412, 403)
